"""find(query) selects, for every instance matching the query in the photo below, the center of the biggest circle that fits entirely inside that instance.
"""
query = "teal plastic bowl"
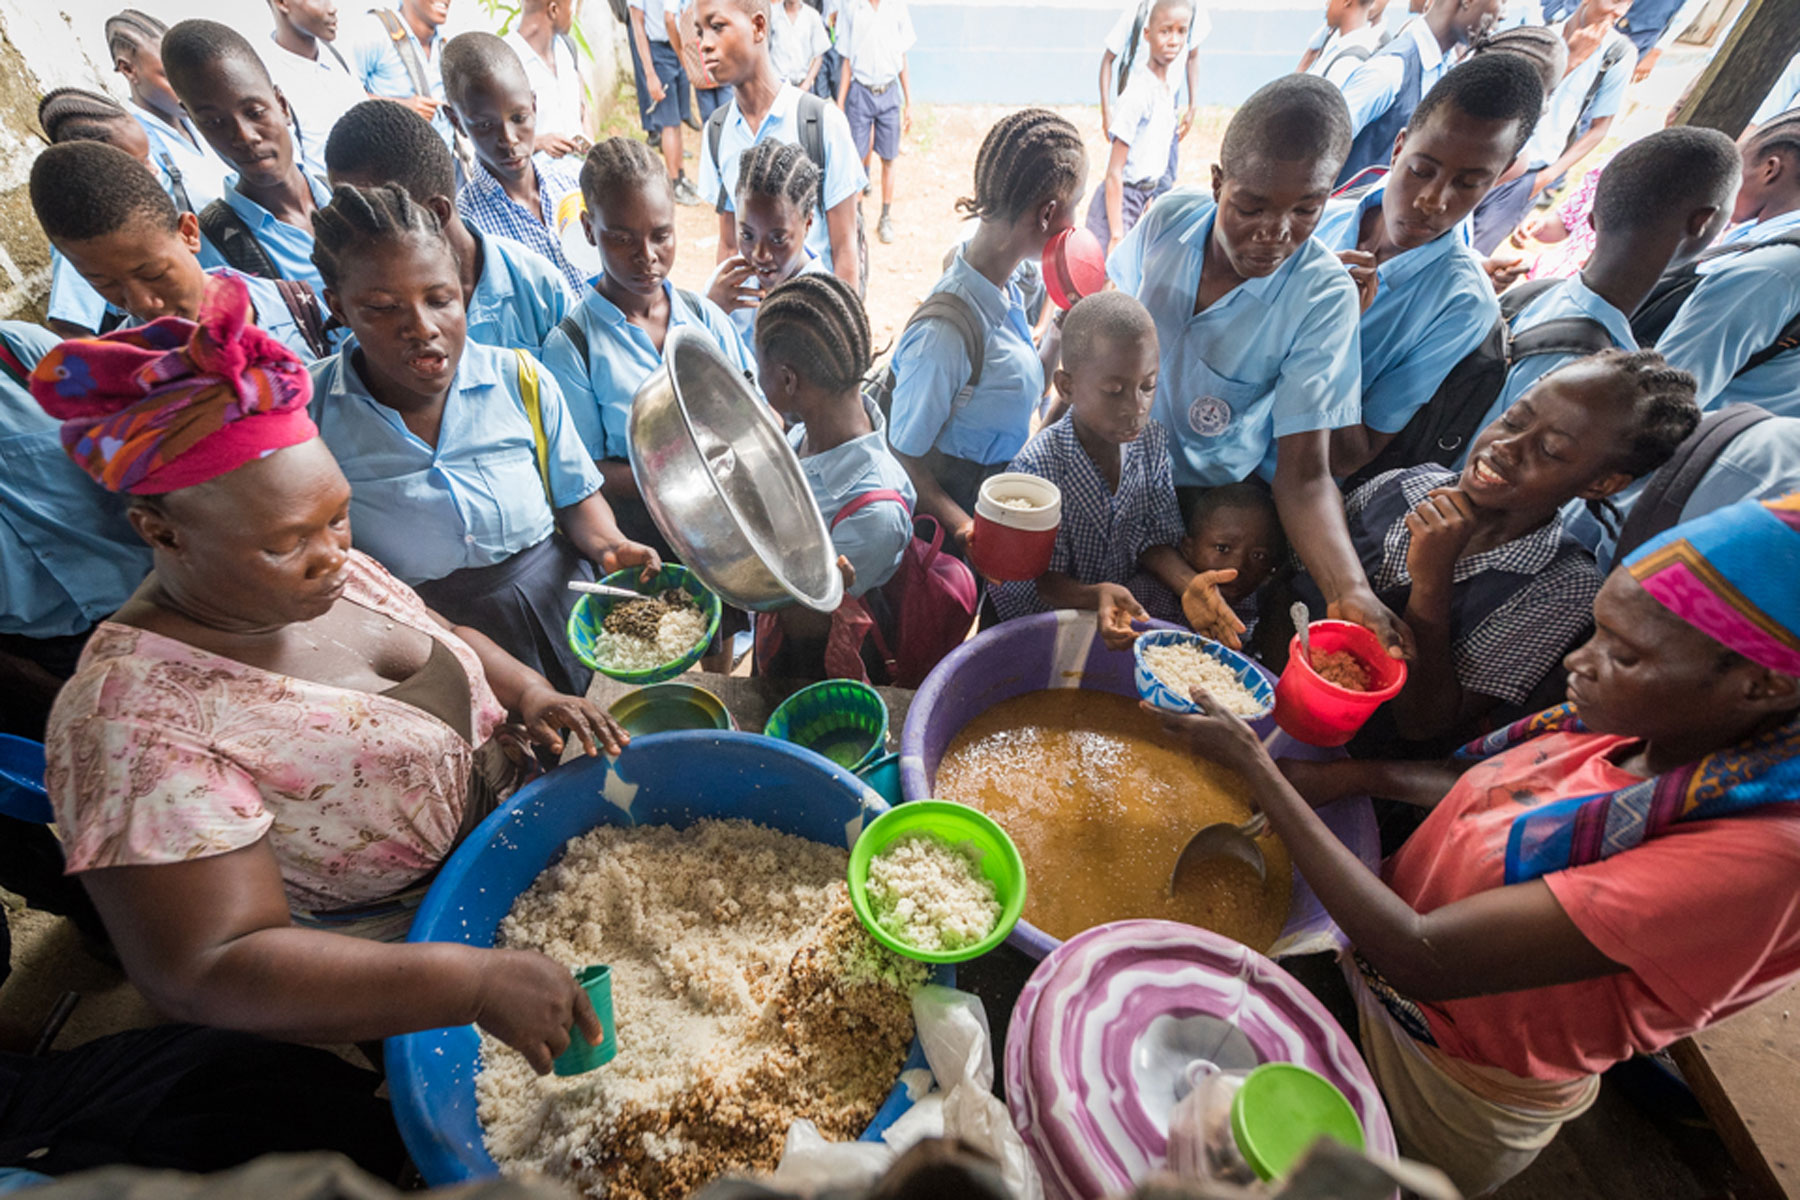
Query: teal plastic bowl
(842, 719)
(590, 611)
(954, 825)
(883, 775)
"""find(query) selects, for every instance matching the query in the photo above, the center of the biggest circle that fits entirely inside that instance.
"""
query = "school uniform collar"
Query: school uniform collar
(1592, 304)
(991, 302)
(787, 103)
(1430, 53)
(608, 313)
(157, 121)
(842, 468)
(258, 217)
(1262, 290)
(1408, 264)
(478, 368)
(1762, 231)
(494, 286)
(1069, 449)
(1530, 554)
(488, 190)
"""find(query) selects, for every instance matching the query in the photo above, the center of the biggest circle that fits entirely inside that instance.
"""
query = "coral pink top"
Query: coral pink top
(159, 752)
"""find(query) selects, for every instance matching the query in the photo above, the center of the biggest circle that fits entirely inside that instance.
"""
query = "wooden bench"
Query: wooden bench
(1746, 1074)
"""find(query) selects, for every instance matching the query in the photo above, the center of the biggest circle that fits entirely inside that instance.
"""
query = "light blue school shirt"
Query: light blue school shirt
(68, 557)
(1433, 304)
(1761, 231)
(1375, 85)
(202, 172)
(519, 297)
(72, 298)
(1783, 96)
(1275, 356)
(375, 61)
(1564, 109)
(620, 357)
(1737, 310)
(1566, 298)
(874, 537)
(474, 499)
(844, 174)
(288, 247)
(931, 365)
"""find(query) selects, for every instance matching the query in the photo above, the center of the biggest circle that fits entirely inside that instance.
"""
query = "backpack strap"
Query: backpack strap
(1362, 183)
(961, 316)
(335, 53)
(404, 47)
(715, 133)
(235, 241)
(571, 329)
(1564, 335)
(1131, 44)
(303, 305)
(810, 117)
(1658, 507)
(1609, 58)
(858, 503)
(15, 369)
(1514, 299)
(177, 189)
(531, 397)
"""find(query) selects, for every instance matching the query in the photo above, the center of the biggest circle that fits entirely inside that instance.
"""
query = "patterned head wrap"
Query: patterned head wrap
(173, 403)
(1734, 575)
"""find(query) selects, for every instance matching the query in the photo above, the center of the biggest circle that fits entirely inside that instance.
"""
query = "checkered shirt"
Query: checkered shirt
(1102, 532)
(1515, 610)
(484, 204)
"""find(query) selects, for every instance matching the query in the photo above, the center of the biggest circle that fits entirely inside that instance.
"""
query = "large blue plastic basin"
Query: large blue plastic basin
(663, 779)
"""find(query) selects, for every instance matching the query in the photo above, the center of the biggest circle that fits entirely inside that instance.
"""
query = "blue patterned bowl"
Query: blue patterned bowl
(1255, 680)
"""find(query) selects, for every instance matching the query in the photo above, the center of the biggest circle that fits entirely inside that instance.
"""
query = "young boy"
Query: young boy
(1184, 75)
(512, 295)
(394, 56)
(1258, 327)
(542, 42)
(874, 36)
(1352, 33)
(1235, 528)
(262, 225)
(1433, 303)
(1749, 290)
(734, 35)
(108, 216)
(135, 41)
(515, 191)
(311, 72)
(1660, 202)
(1143, 128)
(662, 88)
(1383, 92)
(1591, 93)
(1115, 551)
(798, 42)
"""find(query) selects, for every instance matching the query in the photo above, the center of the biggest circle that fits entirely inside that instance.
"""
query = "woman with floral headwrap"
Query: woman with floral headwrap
(1597, 881)
(274, 742)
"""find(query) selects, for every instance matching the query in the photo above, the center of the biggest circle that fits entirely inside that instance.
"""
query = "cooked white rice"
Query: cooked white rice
(1018, 503)
(930, 895)
(1183, 666)
(676, 634)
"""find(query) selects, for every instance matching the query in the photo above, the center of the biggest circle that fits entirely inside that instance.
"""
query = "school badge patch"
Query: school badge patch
(1209, 416)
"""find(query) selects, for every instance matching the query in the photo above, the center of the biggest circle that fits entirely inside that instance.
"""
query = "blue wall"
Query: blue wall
(970, 52)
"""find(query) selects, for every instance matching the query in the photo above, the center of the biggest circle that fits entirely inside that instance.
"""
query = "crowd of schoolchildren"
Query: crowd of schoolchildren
(1357, 371)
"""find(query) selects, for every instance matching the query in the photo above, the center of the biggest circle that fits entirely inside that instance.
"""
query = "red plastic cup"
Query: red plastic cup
(1316, 711)
(1074, 266)
(1012, 545)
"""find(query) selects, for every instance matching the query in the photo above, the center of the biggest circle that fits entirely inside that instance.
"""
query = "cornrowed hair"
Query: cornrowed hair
(779, 169)
(86, 189)
(359, 218)
(815, 324)
(1028, 157)
(1540, 45)
(1664, 412)
(132, 30)
(1779, 136)
(618, 164)
(70, 114)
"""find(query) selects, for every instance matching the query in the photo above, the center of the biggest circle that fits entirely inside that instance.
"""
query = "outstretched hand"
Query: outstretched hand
(1207, 611)
(546, 713)
(1118, 608)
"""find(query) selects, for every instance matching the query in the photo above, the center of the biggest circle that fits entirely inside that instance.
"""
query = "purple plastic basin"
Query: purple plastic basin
(1063, 650)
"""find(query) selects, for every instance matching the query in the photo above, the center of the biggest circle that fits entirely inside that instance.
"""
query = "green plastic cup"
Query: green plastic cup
(1281, 1110)
(582, 1055)
(953, 824)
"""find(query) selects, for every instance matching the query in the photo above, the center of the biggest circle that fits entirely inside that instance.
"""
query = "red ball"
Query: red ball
(1074, 266)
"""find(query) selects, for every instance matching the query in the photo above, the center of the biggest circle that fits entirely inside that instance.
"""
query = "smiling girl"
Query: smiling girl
(450, 489)
(777, 194)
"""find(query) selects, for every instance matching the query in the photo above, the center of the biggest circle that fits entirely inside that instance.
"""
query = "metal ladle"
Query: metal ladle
(1224, 839)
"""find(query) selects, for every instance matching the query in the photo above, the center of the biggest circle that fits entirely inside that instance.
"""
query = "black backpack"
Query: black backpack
(1442, 429)
(810, 114)
(1654, 316)
(961, 316)
(1658, 507)
(1129, 54)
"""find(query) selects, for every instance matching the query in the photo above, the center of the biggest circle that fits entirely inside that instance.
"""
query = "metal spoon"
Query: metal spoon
(1303, 626)
(1223, 840)
(602, 589)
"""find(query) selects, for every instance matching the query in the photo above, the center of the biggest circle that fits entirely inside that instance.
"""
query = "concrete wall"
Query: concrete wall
(1049, 52)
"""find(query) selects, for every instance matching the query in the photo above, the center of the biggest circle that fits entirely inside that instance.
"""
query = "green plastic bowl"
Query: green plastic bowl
(842, 719)
(1283, 1108)
(953, 824)
(589, 611)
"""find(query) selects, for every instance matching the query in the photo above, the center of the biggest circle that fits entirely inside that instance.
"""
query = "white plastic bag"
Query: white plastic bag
(810, 1163)
(953, 1030)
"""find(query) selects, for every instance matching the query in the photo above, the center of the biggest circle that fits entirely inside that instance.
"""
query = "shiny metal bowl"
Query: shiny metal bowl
(723, 485)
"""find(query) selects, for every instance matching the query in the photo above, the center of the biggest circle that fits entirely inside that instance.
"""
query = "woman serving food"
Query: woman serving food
(275, 743)
(1596, 881)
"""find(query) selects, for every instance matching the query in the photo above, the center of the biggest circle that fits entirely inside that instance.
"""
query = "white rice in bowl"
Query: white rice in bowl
(676, 634)
(1183, 666)
(930, 895)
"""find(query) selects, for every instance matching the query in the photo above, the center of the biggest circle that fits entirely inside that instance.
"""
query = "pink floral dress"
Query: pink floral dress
(159, 752)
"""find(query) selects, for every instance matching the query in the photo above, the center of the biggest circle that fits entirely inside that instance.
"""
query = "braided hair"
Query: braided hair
(1664, 412)
(815, 324)
(70, 114)
(1778, 136)
(779, 169)
(619, 164)
(358, 218)
(1540, 45)
(1028, 157)
(132, 30)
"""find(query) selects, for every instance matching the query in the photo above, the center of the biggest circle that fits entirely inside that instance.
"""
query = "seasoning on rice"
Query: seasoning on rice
(930, 895)
(1183, 666)
(1342, 668)
(641, 635)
